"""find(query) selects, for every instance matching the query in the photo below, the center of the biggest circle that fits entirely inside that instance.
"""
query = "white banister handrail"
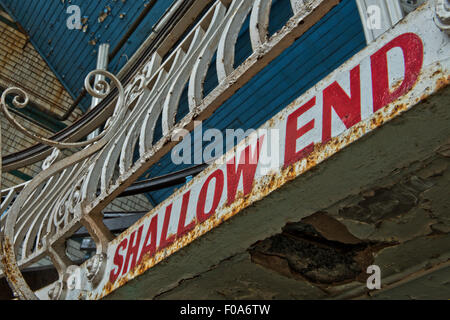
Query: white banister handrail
(72, 192)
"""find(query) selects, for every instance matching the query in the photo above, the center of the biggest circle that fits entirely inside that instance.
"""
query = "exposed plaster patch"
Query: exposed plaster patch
(303, 253)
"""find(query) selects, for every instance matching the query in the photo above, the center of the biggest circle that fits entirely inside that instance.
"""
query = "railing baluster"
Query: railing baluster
(259, 23)
(171, 102)
(66, 195)
(226, 50)
(201, 66)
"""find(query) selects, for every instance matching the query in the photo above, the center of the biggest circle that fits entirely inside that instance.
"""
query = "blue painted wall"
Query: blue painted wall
(332, 41)
(72, 54)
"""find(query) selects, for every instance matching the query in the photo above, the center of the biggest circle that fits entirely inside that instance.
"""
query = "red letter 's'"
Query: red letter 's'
(118, 261)
(133, 249)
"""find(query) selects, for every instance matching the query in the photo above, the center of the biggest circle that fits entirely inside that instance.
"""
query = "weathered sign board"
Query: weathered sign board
(400, 69)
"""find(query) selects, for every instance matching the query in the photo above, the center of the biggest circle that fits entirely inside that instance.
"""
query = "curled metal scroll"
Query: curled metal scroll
(442, 15)
(154, 92)
(8, 262)
(20, 100)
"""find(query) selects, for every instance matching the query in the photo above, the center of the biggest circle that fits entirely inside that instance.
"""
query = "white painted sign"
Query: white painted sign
(387, 78)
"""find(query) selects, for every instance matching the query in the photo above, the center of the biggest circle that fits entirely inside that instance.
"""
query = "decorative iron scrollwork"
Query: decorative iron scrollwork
(72, 192)
(95, 268)
(442, 18)
(35, 228)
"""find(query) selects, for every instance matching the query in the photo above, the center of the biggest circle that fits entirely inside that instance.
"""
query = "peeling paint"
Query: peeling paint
(430, 80)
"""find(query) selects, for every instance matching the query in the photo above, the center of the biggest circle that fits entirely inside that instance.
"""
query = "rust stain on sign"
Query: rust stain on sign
(400, 69)
(378, 94)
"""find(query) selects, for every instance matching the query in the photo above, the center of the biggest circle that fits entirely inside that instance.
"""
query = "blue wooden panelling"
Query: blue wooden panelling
(332, 41)
(72, 54)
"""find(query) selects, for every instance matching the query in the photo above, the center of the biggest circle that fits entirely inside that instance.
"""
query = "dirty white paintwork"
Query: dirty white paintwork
(434, 72)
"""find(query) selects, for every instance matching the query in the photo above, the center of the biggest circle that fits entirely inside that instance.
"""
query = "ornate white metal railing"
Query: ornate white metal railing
(72, 192)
